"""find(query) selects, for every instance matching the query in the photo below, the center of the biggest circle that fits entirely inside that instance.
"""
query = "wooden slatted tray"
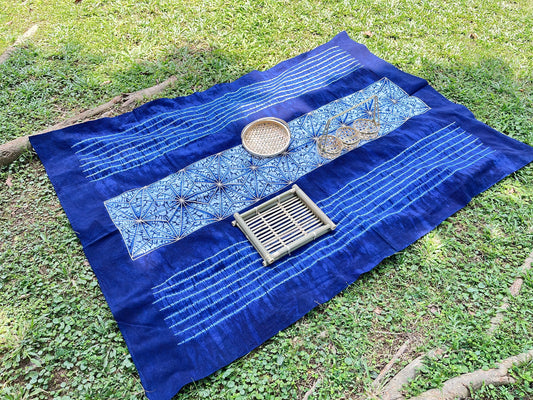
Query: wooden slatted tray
(283, 224)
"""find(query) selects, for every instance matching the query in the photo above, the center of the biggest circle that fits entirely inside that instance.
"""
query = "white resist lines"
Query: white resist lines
(286, 171)
(157, 148)
(217, 119)
(383, 214)
(374, 186)
(346, 235)
(231, 96)
(228, 279)
(389, 165)
(318, 71)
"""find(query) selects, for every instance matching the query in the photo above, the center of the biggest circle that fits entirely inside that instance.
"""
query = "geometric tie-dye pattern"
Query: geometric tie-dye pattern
(218, 186)
(199, 298)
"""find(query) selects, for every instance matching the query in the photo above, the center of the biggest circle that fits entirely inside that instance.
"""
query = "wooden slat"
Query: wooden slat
(283, 224)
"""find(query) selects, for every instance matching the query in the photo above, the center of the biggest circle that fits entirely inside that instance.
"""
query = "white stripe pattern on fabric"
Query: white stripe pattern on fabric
(193, 267)
(454, 159)
(213, 188)
(210, 122)
(388, 166)
(324, 203)
(156, 151)
(434, 165)
(230, 96)
(100, 156)
(308, 266)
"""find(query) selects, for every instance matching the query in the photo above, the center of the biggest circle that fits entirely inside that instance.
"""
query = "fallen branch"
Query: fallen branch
(462, 386)
(10, 151)
(393, 389)
(496, 321)
(26, 35)
(514, 290)
(388, 367)
(517, 284)
(310, 391)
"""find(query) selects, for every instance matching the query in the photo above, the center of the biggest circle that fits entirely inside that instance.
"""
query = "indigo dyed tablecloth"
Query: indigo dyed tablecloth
(151, 195)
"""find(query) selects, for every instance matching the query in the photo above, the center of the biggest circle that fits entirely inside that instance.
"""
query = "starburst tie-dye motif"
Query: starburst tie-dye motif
(218, 186)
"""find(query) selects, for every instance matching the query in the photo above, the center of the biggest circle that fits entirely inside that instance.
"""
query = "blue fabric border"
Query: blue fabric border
(164, 367)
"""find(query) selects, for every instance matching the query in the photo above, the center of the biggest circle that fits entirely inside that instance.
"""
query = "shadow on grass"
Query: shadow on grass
(42, 88)
(489, 88)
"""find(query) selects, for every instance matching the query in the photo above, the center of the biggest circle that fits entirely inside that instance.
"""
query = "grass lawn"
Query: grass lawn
(58, 338)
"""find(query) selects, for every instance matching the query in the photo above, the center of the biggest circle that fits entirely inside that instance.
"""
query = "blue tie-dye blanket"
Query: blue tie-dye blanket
(151, 195)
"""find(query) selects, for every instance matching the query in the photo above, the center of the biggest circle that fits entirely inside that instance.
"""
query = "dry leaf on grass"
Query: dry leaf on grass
(433, 309)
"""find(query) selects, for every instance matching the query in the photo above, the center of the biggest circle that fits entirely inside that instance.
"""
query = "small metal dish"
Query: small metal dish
(367, 128)
(349, 136)
(266, 137)
(329, 146)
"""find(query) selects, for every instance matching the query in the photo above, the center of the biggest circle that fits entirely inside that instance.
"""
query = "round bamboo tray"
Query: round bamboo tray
(266, 137)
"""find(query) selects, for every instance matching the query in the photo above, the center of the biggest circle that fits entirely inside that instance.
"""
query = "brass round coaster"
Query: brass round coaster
(367, 128)
(348, 136)
(266, 137)
(329, 146)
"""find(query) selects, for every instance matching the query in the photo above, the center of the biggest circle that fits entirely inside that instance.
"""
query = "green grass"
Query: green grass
(58, 338)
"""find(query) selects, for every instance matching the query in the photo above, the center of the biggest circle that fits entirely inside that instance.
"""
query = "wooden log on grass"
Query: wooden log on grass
(393, 389)
(390, 364)
(461, 386)
(11, 150)
(464, 385)
(26, 35)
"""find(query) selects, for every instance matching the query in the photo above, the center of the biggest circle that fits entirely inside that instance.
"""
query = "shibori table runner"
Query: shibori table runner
(151, 195)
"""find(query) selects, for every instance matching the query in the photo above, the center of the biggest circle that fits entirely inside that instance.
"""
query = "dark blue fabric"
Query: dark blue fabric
(188, 291)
